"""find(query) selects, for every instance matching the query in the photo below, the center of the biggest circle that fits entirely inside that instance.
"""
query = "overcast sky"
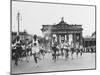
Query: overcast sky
(34, 15)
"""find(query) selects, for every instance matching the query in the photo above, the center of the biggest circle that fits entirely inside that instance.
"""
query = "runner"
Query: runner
(35, 50)
(66, 48)
(62, 48)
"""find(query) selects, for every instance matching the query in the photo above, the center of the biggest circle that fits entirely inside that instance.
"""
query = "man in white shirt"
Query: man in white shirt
(35, 50)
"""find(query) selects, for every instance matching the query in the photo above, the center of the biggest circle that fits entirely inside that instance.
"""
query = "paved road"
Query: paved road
(87, 61)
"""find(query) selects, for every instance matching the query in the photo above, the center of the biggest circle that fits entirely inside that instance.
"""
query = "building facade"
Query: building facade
(63, 32)
(22, 35)
(90, 41)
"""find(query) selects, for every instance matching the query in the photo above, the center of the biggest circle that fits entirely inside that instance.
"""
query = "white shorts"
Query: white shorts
(35, 49)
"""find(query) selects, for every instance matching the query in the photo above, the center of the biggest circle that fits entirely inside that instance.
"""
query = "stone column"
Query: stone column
(70, 38)
(74, 38)
(81, 39)
(56, 39)
(52, 38)
(65, 37)
(59, 38)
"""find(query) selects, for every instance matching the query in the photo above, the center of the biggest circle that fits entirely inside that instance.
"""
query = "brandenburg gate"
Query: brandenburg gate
(63, 32)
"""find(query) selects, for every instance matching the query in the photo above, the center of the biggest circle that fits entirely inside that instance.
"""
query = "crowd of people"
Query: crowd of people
(26, 49)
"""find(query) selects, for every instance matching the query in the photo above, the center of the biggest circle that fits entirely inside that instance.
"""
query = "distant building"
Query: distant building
(23, 36)
(90, 41)
(63, 32)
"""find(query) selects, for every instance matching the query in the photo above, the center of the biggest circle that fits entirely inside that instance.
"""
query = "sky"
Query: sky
(34, 15)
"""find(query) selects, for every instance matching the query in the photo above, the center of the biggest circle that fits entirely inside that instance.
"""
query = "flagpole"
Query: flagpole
(18, 16)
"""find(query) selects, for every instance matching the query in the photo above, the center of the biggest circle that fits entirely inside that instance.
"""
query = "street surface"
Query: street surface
(86, 61)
